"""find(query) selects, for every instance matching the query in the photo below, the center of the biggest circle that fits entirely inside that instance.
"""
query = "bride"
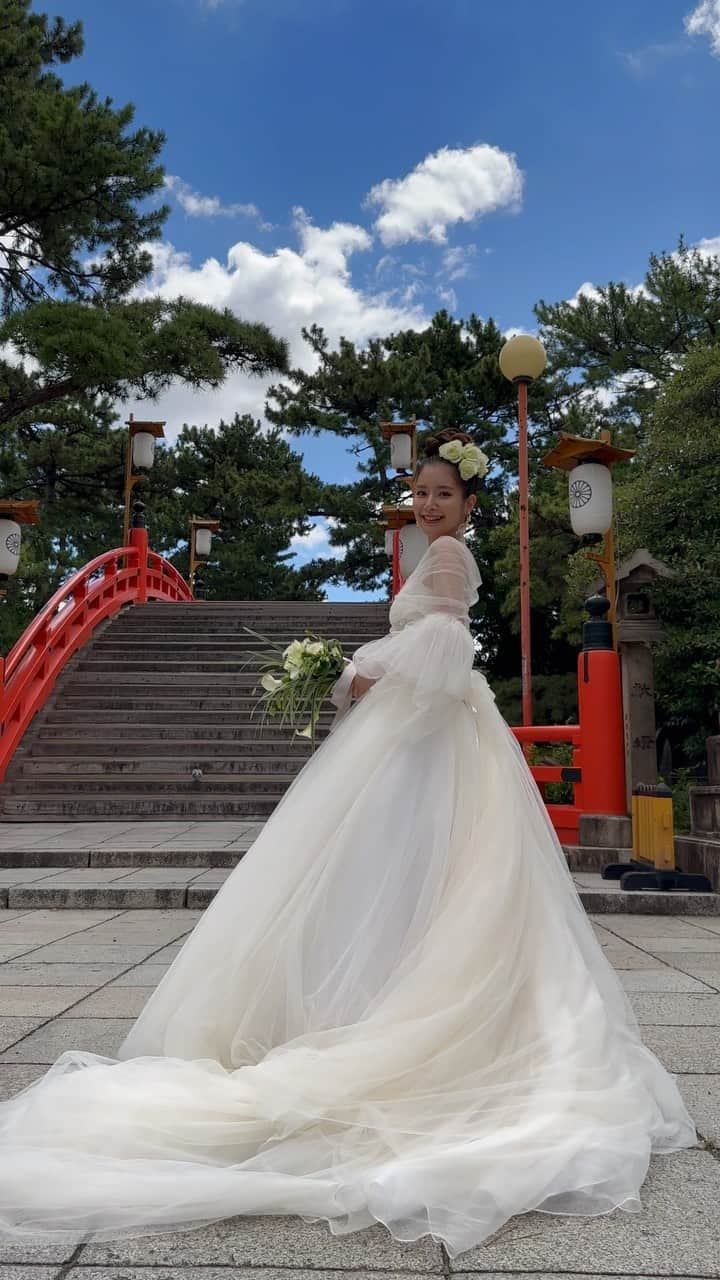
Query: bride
(396, 1009)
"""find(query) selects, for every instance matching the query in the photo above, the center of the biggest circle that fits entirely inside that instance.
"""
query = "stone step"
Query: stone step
(169, 783)
(84, 747)
(187, 649)
(290, 625)
(36, 768)
(148, 700)
(82, 807)
(166, 675)
(194, 888)
(110, 733)
(157, 716)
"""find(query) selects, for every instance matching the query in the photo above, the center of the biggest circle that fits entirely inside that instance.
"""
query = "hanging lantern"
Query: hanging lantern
(413, 545)
(591, 502)
(389, 540)
(203, 542)
(143, 450)
(10, 538)
(401, 451)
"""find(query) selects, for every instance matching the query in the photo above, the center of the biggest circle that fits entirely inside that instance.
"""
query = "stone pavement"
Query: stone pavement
(77, 979)
(113, 866)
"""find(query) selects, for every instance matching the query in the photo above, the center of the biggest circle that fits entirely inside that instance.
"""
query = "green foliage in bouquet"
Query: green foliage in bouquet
(297, 679)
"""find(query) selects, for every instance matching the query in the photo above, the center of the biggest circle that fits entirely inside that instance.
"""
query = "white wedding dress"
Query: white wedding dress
(394, 1011)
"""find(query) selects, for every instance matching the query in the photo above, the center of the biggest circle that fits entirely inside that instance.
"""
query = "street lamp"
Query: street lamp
(201, 532)
(139, 457)
(12, 516)
(522, 359)
(403, 445)
(590, 494)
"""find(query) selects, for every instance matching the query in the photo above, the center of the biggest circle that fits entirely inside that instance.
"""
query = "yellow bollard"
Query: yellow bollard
(652, 826)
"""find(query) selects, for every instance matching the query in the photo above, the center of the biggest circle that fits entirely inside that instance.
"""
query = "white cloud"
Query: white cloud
(456, 262)
(286, 289)
(647, 59)
(315, 544)
(704, 20)
(586, 290)
(709, 247)
(199, 206)
(449, 186)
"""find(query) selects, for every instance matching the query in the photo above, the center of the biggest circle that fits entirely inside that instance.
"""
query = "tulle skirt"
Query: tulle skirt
(395, 1011)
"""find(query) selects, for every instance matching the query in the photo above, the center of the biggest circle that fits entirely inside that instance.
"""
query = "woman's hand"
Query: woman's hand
(360, 685)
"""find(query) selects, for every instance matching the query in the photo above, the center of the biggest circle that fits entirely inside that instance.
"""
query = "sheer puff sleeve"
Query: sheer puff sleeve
(429, 646)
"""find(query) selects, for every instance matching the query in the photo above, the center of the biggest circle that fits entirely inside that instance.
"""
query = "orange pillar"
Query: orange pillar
(600, 716)
(139, 540)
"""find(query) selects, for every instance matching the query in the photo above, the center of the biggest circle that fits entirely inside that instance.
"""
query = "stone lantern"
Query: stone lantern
(638, 628)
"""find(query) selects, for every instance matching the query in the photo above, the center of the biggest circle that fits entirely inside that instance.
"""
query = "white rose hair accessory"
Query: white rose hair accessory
(468, 458)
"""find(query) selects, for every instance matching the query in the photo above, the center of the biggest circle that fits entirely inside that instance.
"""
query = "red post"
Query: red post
(601, 721)
(396, 578)
(523, 476)
(139, 540)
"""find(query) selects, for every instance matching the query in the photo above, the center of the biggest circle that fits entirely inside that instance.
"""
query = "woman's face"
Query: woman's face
(439, 500)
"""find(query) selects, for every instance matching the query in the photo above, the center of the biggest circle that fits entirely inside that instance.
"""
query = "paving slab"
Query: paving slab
(84, 952)
(15, 1028)
(23, 1272)
(143, 975)
(237, 1273)
(95, 1035)
(41, 1001)
(666, 979)
(677, 1009)
(21, 974)
(680, 1051)
(15, 1077)
(677, 1233)
(701, 1093)
(112, 1002)
(705, 967)
(271, 1242)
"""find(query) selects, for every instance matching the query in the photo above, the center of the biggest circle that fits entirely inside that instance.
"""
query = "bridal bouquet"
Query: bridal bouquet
(297, 679)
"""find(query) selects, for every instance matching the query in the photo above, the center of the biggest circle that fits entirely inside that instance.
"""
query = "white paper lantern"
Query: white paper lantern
(590, 494)
(413, 545)
(389, 541)
(203, 542)
(143, 449)
(401, 451)
(10, 538)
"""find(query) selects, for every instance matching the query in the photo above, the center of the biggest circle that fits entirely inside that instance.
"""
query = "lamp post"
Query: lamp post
(405, 542)
(590, 494)
(139, 457)
(201, 532)
(522, 359)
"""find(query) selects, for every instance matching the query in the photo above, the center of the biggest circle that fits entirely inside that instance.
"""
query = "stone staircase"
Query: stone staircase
(152, 719)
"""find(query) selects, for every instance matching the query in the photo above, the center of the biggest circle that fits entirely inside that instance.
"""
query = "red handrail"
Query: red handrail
(565, 817)
(127, 575)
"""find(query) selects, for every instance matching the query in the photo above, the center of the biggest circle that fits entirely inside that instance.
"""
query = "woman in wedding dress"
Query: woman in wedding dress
(395, 1010)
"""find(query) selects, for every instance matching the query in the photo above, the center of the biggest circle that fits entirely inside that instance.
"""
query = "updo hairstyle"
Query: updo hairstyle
(431, 451)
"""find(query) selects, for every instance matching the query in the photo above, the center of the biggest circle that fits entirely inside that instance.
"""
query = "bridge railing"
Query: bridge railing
(126, 575)
(565, 817)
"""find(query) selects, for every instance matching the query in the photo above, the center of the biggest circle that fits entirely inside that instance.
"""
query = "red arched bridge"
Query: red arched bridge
(124, 699)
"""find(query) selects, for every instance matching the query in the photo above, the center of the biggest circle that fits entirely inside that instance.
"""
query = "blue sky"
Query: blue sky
(360, 164)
